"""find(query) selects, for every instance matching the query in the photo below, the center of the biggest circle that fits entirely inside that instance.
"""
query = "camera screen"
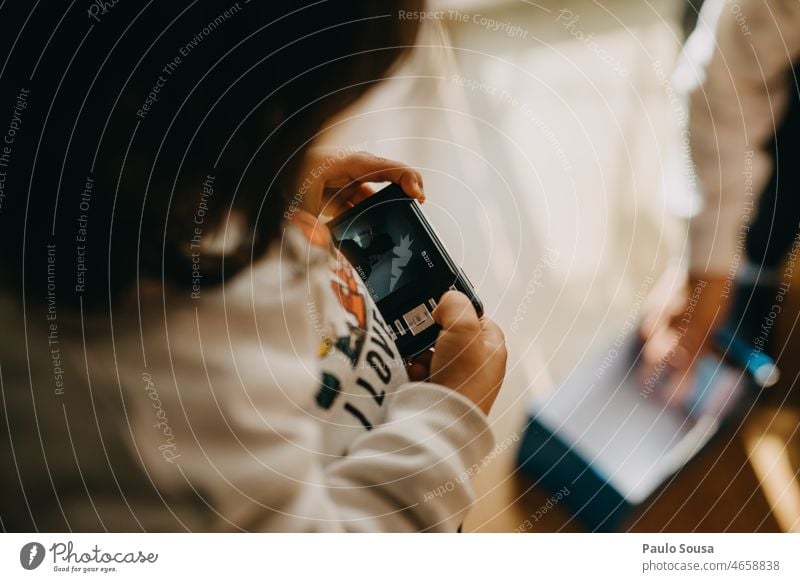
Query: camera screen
(388, 245)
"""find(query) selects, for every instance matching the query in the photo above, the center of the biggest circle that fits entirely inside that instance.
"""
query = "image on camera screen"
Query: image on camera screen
(388, 246)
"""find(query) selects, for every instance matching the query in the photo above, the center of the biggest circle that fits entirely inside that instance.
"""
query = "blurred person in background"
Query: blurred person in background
(739, 71)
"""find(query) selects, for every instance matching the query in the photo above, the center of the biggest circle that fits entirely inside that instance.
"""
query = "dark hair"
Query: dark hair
(140, 126)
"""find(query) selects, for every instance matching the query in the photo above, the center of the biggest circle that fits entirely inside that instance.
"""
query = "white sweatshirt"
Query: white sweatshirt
(736, 64)
(274, 403)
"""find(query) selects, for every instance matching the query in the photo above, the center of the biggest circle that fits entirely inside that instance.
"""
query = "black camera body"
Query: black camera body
(403, 264)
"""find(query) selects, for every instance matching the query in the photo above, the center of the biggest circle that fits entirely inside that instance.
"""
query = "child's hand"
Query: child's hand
(470, 353)
(332, 181)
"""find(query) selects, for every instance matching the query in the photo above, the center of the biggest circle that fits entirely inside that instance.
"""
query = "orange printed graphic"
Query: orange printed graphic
(346, 288)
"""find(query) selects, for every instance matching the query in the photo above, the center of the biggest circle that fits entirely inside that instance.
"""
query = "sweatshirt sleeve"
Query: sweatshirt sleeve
(236, 385)
(416, 467)
(739, 60)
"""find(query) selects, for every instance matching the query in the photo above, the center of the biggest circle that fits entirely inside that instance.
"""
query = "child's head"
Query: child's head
(173, 121)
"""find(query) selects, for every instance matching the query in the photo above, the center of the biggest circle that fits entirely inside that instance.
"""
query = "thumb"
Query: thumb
(455, 312)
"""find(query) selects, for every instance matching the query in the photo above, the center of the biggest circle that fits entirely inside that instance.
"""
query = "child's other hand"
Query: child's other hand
(470, 354)
(333, 181)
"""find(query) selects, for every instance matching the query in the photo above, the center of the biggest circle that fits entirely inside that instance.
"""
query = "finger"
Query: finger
(423, 357)
(334, 203)
(650, 324)
(492, 333)
(411, 183)
(697, 328)
(361, 192)
(663, 302)
(340, 197)
(657, 346)
(663, 359)
(456, 313)
(419, 368)
(418, 372)
(654, 320)
(336, 200)
(364, 167)
(678, 388)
